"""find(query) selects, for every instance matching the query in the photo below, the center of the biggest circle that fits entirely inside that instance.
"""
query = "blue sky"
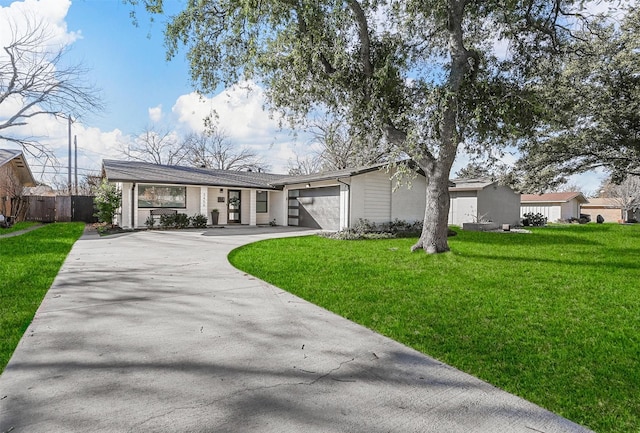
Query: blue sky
(127, 62)
(141, 88)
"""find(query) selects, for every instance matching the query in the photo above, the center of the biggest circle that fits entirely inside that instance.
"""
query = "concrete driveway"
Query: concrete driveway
(157, 332)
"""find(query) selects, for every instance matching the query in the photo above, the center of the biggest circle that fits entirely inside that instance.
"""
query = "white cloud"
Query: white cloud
(240, 111)
(155, 113)
(241, 114)
(51, 13)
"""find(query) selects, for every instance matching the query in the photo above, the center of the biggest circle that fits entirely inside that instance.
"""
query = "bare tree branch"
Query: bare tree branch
(213, 149)
(34, 77)
(156, 145)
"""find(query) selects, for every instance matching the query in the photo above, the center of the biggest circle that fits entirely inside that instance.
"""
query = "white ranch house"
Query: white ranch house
(329, 201)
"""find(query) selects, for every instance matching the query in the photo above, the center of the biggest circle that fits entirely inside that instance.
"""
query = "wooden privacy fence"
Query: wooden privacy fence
(61, 208)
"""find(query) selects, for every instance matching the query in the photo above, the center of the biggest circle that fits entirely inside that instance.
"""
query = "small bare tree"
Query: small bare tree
(34, 79)
(156, 145)
(89, 183)
(213, 149)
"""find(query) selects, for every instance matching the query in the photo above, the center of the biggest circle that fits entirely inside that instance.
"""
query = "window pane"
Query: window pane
(150, 196)
(261, 201)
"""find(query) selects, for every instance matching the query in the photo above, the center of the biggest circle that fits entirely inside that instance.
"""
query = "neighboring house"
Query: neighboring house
(15, 175)
(609, 208)
(555, 206)
(483, 200)
(330, 201)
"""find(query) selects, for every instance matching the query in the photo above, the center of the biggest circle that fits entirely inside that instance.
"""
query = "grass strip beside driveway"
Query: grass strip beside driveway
(29, 263)
(551, 316)
(17, 227)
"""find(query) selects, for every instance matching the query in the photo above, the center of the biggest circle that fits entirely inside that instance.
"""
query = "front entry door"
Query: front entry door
(234, 206)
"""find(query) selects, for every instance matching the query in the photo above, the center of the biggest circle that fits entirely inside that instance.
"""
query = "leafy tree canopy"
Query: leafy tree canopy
(597, 108)
(422, 76)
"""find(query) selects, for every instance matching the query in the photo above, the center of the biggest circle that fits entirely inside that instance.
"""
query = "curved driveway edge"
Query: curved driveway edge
(156, 332)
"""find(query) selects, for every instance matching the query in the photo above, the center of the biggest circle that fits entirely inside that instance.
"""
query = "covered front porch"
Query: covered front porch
(234, 205)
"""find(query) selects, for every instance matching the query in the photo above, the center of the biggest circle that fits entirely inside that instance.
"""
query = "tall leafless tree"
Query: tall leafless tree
(38, 83)
(339, 148)
(214, 149)
(158, 145)
(342, 148)
(304, 164)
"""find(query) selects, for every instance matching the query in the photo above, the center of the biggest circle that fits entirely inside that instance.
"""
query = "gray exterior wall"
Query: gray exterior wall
(500, 204)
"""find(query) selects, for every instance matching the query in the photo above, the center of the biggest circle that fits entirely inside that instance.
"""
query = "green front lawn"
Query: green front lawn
(552, 316)
(28, 265)
(16, 227)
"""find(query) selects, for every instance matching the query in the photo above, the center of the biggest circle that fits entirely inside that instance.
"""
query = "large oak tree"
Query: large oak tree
(421, 75)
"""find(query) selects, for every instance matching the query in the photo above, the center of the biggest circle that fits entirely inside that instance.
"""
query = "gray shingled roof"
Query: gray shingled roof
(331, 175)
(135, 171)
(327, 175)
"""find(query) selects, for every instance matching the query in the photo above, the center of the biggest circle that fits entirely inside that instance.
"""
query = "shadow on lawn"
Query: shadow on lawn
(537, 238)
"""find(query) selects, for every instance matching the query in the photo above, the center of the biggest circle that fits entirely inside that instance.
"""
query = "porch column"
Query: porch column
(204, 200)
(252, 207)
(134, 206)
(345, 202)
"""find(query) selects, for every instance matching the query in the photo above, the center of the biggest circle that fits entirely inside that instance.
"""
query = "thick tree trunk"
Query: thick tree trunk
(436, 216)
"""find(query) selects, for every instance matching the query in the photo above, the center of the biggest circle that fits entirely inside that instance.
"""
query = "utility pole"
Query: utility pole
(75, 159)
(69, 178)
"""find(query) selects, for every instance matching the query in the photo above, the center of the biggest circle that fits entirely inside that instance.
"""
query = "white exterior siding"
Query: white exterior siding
(357, 200)
(193, 202)
(408, 202)
(213, 203)
(463, 207)
(245, 203)
(570, 209)
(554, 211)
(551, 211)
(277, 205)
(371, 197)
(377, 197)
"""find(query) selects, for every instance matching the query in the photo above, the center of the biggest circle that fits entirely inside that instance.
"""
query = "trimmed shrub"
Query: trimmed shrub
(182, 221)
(150, 222)
(199, 221)
(168, 221)
(536, 220)
(365, 229)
